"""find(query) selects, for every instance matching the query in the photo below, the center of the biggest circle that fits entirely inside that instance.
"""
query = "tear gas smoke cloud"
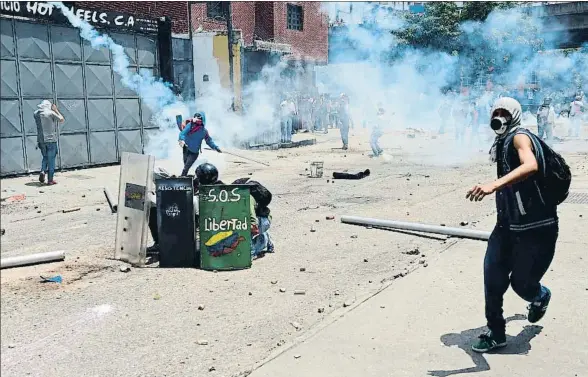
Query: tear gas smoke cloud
(412, 83)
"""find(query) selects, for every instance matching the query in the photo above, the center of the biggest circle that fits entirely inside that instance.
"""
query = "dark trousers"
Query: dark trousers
(189, 159)
(518, 259)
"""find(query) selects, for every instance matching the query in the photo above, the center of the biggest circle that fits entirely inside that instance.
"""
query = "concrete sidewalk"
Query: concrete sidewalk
(424, 323)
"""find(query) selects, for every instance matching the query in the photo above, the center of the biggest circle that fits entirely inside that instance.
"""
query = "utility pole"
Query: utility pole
(229, 16)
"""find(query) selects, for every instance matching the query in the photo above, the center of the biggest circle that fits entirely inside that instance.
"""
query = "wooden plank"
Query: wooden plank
(136, 180)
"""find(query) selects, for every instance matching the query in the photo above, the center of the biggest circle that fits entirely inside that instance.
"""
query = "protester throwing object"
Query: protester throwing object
(532, 181)
(191, 137)
(46, 117)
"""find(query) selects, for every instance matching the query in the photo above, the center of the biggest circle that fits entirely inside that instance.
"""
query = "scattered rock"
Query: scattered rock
(382, 307)
(337, 293)
(422, 261)
(412, 252)
(211, 369)
(250, 293)
(41, 192)
(11, 346)
(249, 344)
(124, 269)
(83, 196)
(333, 217)
(321, 310)
(201, 307)
(283, 290)
(297, 356)
(369, 281)
(71, 210)
(156, 296)
(316, 221)
(425, 264)
(281, 343)
(296, 325)
(442, 224)
(463, 223)
(347, 304)
(354, 236)
(312, 230)
(202, 342)
(365, 260)
(97, 209)
(3, 231)
(299, 292)
(302, 269)
(274, 282)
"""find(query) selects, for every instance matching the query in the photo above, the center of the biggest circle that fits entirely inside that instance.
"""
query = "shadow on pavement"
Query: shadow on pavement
(517, 345)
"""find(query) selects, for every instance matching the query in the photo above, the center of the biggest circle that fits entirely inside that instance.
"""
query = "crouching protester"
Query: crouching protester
(260, 197)
(532, 181)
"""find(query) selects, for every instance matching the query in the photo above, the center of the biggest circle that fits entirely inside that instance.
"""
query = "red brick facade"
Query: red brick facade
(261, 20)
(267, 21)
(176, 10)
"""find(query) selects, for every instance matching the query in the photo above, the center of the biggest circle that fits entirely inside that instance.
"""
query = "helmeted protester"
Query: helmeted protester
(546, 119)
(193, 133)
(532, 181)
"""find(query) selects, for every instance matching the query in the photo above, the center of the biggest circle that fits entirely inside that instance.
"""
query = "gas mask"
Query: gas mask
(500, 125)
(507, 119)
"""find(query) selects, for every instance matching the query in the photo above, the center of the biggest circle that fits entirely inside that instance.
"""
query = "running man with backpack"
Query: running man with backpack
(532, 181)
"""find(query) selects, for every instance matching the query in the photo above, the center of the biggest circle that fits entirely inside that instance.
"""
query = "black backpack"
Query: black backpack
(260, 193)
(558, 177)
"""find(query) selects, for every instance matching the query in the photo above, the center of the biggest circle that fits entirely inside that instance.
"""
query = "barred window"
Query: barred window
(217, 10)
(295, 17)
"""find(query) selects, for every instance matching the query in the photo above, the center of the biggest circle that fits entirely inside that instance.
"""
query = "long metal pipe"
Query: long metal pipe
(24, 260)
(417, 227)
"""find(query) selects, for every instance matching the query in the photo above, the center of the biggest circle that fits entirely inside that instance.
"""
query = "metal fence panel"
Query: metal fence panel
(8, 76)
(103, 147)
(68, 81)
(11, 155)
(10, 118)
(74, 111)
(73, 150)
(66, 44)
(100, 114)
(6, 39)
(32, 41)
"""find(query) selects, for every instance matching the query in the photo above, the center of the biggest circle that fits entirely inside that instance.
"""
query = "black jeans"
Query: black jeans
(189, 159)
(519, 259)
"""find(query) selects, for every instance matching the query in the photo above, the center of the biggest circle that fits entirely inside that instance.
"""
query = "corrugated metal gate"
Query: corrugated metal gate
(103, 118)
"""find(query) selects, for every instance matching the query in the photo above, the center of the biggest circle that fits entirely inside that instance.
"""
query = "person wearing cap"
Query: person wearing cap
(522, 244)
(191, 137)
(46, 117)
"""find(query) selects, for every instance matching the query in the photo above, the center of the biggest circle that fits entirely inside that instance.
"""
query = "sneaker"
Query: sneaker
(42, 177)
(153, 250)
(537, 309)
(51, 183)
(488, 342)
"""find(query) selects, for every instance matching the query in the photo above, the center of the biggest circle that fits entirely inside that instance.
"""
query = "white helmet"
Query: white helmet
(498, 124)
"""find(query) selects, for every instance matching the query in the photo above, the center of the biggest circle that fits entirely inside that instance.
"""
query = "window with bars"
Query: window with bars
(295, 17)
(217, 10)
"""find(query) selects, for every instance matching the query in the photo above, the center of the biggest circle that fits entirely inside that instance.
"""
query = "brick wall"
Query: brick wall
(243, 19)
(176, 10)
(310, 44)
